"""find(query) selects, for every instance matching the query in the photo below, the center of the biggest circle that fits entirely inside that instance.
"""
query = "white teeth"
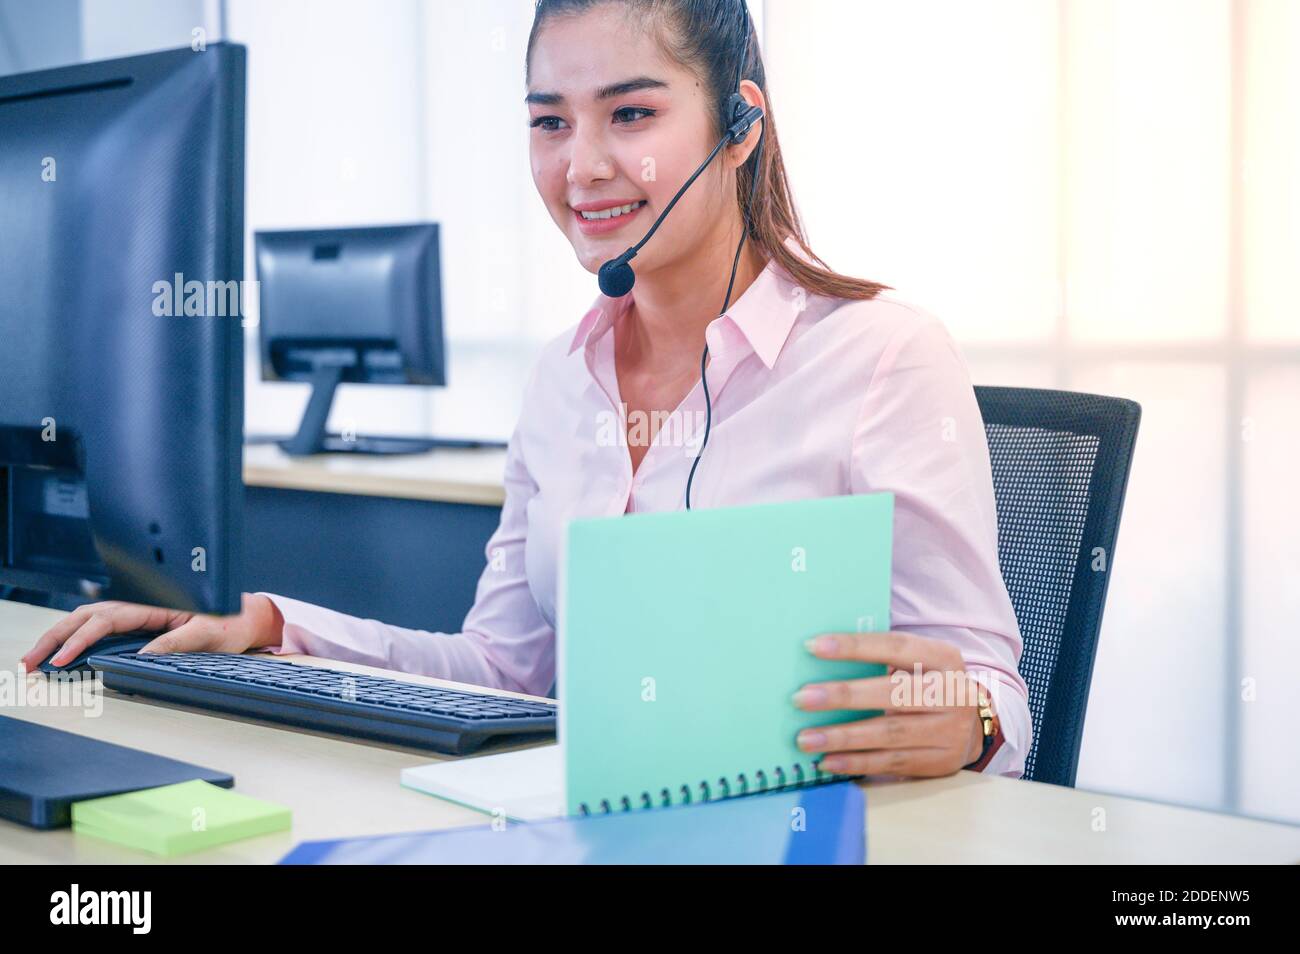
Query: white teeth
(612, 212)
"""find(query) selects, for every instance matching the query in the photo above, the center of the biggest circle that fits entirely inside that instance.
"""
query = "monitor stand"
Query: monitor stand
(312, 438)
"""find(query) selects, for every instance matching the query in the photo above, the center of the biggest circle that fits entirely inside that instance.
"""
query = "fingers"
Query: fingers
(882, 732)
(97, 621)
(87, 624)
(926, 744)
(57, 634)
(197, 636)
(926, 674)
(96, 627)
(917, 763)
(903, 650)
(900, 691)
(924, 715)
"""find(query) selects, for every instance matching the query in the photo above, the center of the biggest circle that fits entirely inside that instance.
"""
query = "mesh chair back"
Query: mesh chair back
(1060, 468)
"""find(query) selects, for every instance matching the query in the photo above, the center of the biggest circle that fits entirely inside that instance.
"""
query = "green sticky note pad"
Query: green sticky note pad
(175, 819)
(682, 642)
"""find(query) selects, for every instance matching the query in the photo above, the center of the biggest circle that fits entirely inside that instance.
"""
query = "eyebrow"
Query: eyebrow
(605, 92)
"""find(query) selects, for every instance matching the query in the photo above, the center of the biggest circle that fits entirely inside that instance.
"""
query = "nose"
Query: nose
(589, 160)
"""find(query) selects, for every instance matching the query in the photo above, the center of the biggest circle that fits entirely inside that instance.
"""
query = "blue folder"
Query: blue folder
(820, 825)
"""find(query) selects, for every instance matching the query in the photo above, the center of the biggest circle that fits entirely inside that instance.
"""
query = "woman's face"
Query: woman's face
(613, 124)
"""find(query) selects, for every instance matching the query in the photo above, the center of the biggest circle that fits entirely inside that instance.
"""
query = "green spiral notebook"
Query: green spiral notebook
(681, 643)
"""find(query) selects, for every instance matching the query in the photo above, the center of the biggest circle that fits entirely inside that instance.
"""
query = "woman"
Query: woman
(818, 384)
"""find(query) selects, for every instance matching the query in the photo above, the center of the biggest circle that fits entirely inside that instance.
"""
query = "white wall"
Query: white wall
(39, 36)
(112, 28)
(333, 140)
(363, 113)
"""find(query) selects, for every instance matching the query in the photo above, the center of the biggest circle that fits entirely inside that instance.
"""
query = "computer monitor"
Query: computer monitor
(351, 306)
(121, 388)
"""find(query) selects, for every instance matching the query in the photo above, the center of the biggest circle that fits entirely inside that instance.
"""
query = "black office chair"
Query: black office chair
(1060, 467)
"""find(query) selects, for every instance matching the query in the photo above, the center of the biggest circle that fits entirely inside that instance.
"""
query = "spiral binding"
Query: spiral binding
(780, 781)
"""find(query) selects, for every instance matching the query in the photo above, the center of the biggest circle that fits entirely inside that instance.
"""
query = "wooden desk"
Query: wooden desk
(338, 787)
(448, 476)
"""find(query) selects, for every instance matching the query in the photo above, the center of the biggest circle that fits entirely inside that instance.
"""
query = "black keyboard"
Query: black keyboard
(444, 720)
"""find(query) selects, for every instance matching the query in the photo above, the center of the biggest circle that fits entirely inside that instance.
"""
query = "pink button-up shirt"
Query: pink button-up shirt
(812, 396)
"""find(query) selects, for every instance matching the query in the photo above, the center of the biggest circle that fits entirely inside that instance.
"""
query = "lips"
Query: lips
(606, 215)
(599, 205)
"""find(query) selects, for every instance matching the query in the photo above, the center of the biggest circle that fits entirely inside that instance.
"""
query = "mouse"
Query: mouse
(120, 643)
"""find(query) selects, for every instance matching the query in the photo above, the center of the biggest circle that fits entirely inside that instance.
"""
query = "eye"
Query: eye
(543, 122)
(633, 109)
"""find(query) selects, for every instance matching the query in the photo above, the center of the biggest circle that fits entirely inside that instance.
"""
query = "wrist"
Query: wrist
(266, 621)
(989, 728)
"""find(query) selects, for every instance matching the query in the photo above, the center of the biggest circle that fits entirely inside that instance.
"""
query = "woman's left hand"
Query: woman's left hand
(927, 727)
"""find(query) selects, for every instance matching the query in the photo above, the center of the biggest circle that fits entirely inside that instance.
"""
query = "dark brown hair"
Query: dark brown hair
(705, 37)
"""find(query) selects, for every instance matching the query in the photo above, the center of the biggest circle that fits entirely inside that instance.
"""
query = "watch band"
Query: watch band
(993, 737)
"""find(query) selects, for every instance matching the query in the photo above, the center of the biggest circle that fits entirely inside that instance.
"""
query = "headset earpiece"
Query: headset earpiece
(740, 117)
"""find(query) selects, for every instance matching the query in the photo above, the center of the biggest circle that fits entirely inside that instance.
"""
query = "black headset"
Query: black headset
(616, 276)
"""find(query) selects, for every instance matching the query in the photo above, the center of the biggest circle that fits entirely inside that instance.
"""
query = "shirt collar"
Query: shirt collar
(764, 314)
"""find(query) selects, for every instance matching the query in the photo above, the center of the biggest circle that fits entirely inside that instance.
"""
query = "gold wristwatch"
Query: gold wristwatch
(992, 728)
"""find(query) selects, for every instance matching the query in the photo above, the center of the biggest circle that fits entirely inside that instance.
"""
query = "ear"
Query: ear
(751, 95)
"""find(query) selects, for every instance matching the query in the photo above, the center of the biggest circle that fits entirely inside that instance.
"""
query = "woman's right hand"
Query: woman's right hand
(259, 624)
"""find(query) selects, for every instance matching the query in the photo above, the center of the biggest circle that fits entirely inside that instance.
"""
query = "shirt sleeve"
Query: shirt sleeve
(504, 642)
(920, 436)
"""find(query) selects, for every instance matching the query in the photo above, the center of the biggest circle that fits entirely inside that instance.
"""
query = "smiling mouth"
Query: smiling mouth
(612, 213)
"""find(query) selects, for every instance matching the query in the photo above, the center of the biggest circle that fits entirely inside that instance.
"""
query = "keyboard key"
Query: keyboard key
(446, 720)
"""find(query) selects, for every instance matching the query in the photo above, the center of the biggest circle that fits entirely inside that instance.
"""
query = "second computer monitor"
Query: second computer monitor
(351, 305)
